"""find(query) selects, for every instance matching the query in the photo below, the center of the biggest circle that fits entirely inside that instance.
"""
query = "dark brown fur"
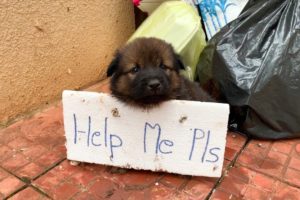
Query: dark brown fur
(145, 73)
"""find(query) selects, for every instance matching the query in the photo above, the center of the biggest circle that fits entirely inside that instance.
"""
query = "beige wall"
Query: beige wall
(50, 45)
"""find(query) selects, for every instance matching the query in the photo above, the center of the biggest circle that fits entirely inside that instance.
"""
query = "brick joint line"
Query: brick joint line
(231, 164)
(28, 183)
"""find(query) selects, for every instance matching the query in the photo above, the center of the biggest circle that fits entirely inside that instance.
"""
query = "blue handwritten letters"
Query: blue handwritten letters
(94, 137)
(199, 147)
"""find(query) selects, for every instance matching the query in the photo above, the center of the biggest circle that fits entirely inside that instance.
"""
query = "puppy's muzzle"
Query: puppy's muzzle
(154, 85)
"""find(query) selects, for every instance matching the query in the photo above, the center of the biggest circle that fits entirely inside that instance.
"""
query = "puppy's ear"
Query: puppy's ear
(113, 66)
(178, 63)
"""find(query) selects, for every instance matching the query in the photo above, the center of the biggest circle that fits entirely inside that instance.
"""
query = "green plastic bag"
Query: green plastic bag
(179, 24)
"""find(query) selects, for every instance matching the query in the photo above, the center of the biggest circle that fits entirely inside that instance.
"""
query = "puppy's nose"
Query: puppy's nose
(154, 84)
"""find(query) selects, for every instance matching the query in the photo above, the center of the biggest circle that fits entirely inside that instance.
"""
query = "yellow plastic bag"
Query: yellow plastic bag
(179, 24)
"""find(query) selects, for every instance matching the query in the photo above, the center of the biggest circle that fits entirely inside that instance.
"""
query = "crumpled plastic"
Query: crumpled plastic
(253, 63)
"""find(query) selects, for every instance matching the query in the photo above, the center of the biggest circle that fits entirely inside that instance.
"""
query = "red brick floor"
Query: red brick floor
(33, 165)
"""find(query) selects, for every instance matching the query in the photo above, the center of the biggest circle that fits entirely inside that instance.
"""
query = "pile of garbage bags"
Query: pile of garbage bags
(253, 63)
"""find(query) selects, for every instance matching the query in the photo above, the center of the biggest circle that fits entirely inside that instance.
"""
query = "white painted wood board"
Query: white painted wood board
(183, 137)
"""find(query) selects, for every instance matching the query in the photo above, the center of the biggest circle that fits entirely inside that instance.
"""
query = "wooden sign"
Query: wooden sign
(184, 137)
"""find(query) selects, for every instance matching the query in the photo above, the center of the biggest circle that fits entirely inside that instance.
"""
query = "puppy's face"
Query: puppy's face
(145, 72)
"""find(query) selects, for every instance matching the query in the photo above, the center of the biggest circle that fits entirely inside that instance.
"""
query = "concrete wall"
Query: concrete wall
(50, 45)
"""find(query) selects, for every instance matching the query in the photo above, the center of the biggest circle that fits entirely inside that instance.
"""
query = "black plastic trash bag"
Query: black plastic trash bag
(253, 63)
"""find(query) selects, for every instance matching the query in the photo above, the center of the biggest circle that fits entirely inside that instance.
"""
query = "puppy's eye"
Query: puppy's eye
(162, 66)
(135, 70)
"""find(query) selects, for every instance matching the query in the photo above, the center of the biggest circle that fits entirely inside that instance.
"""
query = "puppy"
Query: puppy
(145, 73)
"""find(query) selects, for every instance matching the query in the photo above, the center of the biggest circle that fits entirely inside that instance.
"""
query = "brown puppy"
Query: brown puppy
(145, 73)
